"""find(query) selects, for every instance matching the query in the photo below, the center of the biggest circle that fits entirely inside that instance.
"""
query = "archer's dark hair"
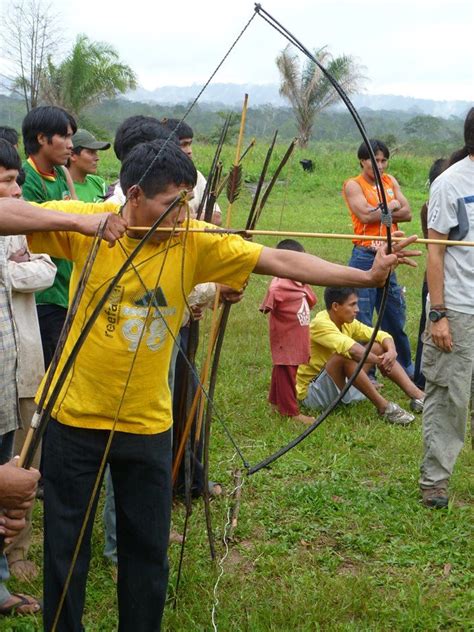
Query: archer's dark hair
(377, 145)
(48, 120)
(180, 128)
(139, 129)
(437, 168)
(337, 295)
(163, 165)
(468, 148)
(9, 134)
(290, 244)
(9, 158)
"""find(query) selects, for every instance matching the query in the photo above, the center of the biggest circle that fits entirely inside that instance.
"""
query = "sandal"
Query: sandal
(25, 606)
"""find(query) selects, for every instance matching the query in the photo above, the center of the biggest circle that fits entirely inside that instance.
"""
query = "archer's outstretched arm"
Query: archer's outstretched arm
(316, 271)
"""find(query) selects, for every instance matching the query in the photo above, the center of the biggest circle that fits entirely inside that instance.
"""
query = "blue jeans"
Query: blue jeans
(394, 318)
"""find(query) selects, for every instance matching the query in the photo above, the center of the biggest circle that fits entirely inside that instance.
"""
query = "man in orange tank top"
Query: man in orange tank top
(361, 197)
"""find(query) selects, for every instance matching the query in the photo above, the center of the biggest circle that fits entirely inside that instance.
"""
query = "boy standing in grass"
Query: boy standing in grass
(288, 303)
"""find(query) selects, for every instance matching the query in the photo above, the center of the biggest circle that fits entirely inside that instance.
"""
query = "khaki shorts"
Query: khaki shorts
(322, 391)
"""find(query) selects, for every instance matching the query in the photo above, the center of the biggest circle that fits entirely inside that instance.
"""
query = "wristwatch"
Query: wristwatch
(436, 314)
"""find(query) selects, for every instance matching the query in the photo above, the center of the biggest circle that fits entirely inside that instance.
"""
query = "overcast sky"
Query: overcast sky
(420, 48)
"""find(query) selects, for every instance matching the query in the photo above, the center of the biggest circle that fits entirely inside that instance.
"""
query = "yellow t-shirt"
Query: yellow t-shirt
(93, 389)
(326, 340)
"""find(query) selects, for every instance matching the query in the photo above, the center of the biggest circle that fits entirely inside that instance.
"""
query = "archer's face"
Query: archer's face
(145, 211)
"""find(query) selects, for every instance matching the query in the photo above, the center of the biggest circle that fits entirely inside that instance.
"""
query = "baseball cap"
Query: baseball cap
(83, 138)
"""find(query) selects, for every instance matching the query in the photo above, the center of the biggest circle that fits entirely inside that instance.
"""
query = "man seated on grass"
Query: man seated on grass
(137, 331)
(83, 166)
(336, 336)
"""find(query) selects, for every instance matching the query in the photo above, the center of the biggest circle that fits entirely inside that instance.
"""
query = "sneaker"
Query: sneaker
(435, 497)
(416, 404)
(394, 414)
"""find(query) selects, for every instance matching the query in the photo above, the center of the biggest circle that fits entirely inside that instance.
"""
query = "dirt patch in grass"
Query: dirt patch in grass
(349, 567)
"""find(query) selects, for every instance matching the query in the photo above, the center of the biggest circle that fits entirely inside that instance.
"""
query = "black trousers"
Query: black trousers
(51, 320)
(141, 475)
(193, 455)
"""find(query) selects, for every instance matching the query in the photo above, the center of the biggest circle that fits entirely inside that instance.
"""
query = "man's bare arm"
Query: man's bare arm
(316, 271)
(403, 213)
(18, 217)
(440, 331)
(357, 351)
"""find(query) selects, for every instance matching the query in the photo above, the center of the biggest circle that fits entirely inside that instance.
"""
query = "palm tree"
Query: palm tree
(89, 74)
(307, 88)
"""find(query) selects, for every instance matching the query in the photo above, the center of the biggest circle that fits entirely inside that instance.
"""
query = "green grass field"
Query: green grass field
(333, 536)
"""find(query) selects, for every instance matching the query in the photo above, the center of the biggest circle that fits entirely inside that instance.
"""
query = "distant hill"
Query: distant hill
(231, 95)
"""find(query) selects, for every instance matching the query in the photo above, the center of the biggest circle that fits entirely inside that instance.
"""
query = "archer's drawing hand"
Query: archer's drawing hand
(441, 335)
(115, 226)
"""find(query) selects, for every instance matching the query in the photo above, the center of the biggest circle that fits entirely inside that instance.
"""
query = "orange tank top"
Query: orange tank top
(370, 193)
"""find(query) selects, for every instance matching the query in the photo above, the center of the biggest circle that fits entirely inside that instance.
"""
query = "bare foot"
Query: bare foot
(305, 419)
(175, 537)
(23, 569)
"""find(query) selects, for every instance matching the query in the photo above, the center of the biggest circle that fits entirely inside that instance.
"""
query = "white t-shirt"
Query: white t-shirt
(451, 211)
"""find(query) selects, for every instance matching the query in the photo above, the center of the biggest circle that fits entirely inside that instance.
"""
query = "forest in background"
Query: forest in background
(402, 131)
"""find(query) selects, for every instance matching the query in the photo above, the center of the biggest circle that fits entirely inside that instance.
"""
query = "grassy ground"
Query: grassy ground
(333, 536)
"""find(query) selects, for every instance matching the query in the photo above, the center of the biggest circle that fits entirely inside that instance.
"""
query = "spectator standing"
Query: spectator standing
(82, 165)
(47, 135)
(360, 194)
(448, 351)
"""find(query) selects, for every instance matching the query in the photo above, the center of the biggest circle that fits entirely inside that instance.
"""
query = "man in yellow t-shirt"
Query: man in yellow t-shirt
(119, 379)
(336, 336)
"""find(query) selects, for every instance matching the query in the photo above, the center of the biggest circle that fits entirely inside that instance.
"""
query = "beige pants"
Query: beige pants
(449, 390)
(18, 549)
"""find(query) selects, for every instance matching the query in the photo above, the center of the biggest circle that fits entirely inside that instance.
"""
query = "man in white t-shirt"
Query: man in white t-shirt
(448, 353)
